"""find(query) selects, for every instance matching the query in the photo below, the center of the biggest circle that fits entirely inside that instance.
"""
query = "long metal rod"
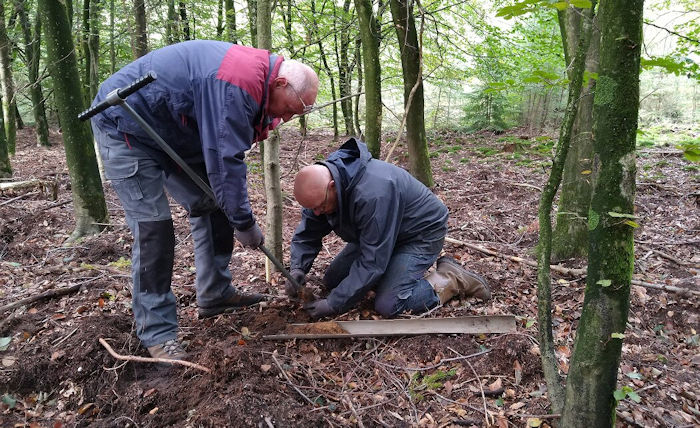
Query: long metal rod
(197, 180)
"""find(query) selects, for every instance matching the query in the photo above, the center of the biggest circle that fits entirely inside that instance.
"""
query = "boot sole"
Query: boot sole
(212, 312)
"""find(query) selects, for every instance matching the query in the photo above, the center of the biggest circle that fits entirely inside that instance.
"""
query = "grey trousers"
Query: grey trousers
(140, 182)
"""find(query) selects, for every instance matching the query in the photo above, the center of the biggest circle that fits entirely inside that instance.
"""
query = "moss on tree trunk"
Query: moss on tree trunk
(593, 371)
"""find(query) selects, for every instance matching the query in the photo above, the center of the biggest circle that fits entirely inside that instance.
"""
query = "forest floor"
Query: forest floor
(55, 373)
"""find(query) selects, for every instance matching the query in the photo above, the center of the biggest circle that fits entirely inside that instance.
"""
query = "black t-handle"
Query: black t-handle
(118, 95)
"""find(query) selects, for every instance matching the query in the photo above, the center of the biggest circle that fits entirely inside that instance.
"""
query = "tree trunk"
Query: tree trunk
(112, 49)
(219, 19)
(594, 363)
(230, 8)
(185, 23)
(8, 91)
(253, 22)
(358, 61)
(570, 237)
(5, 166)
(33, 55)
(140, 34)
(344, 70)
(271, 153)
(88, 198)
(419, 161)
(370, 34)
(172, 29)
(93, 53)
(544, 292)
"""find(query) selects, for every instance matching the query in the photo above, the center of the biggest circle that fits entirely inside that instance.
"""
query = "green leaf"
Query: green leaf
(593, 219)
(619, 394)
(499, 402)
(634, 375)
(9, 400)
(617, 335)
(604, 282)
(581, 4)
(5, 343)
(634, 397)
(631, 223)
(560, 5)
(620, 215)
(529, 323)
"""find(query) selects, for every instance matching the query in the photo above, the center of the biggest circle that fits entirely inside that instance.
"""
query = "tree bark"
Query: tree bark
(33, 55)
(140, 34)
(344, 69)
(370, 35)
(5, 166)
(88, 198)
(570, 237)
(419, 161)
(8, 91)
(594, 363)
(358, 62)
(544, 293)
(271, 153)
(253, 22)
(230, 9)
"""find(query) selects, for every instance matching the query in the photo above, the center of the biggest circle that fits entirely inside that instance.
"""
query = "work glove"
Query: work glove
(251, 237)
(289, 288)
(319, 308)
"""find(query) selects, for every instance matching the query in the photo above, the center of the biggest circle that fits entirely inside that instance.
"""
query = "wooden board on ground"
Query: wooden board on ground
(398, 327)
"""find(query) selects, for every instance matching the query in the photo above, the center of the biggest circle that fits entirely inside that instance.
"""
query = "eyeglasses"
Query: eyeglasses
(307, 108)
(321, 207)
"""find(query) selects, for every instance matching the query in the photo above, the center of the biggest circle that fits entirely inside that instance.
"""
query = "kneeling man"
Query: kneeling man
(394, 228)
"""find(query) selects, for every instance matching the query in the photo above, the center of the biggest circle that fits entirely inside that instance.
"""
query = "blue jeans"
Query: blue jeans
(140, 182)
(403, 287)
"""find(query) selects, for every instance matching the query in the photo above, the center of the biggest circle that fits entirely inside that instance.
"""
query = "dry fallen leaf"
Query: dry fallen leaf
(149, 392)
(265, 368)
(153, 411)
(8, 361)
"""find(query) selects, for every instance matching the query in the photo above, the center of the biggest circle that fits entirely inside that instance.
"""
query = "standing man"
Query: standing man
(394, 227)
(210, 102)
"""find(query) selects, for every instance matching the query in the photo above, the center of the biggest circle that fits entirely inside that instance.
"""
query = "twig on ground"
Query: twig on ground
(348, 401)
(483, 396)
(523, 415)
(567, 271)
(673, 259)
(9, 201)
(65, 337)
(151, 360)
(47, 295)
(286, 376)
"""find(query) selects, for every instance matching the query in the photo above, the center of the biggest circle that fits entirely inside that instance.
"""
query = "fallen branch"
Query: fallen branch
(568, 271)
(151, 360)
(25, 195)
(289, 381)
(47, 295)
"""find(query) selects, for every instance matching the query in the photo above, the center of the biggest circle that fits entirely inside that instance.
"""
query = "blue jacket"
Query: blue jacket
(381, 207)
(208, 103)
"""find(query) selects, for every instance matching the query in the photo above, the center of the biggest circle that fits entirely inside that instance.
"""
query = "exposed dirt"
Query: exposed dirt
(55, 372)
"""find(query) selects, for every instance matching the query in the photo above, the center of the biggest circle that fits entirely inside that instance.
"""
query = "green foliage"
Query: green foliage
(487, 110)
(430, 382)
(691, 149)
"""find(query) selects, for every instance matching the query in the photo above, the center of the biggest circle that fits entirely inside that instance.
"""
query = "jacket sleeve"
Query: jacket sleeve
(307, 240)
(376, 214)
(225, 116)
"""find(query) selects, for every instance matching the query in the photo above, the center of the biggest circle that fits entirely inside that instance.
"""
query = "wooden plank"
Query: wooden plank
(398, 327)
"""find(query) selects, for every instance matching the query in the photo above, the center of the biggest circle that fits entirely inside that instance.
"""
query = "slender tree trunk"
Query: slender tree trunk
(253, 21)
(419, 162)
(334, 96)
(140, 34)
(358, 61)
(112, 49)
(32, 53)
(370, 35)
(271, 152)
(93, 54)
(84, 58)
(219, 19)
(344, 70)
(185, 23)
(544, 293)
(172, 29)
(88, 198)
(595, 361)
(570, 237)
(5, 166)
(230, 21)
(8, 91)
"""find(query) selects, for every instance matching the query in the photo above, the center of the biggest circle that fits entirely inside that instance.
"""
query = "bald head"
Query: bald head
(314, 188)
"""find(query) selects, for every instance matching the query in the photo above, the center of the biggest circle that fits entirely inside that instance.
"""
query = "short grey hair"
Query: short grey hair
(300, 75)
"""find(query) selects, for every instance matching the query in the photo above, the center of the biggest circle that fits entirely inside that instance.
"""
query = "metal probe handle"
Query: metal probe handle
(118, 95)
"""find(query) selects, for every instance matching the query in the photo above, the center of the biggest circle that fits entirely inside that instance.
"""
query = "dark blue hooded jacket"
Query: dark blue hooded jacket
(209, 103)
(381, 207)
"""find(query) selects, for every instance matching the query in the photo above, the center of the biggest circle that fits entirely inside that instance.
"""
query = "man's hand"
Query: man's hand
(289, 288)
(251, 237)
(319, 308)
